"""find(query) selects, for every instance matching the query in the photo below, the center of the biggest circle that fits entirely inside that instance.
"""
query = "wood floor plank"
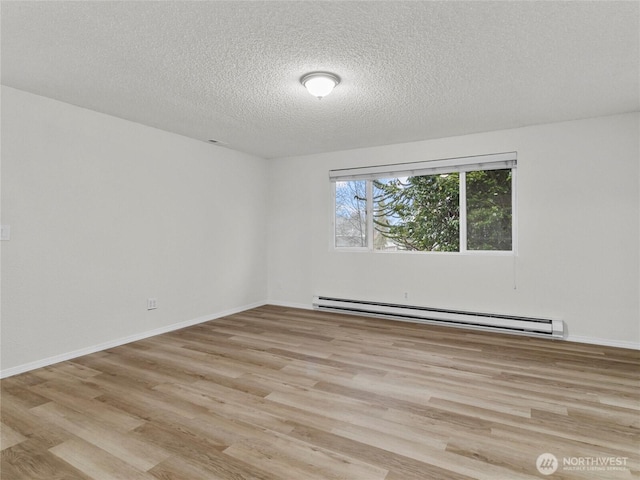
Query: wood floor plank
(441, 460)
(112, 417)
(95, 462)
(376, 448)
(278, 393)
(140, 455)
(289, 457)
(178, 468)
(199, 452)
(28, 460)
(14, 414)
(26, 396)
(9, 437)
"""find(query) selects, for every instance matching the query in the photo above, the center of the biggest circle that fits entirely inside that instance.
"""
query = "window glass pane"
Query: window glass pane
(351, 214)
(386, 219)
(419, 213)
(489, 210)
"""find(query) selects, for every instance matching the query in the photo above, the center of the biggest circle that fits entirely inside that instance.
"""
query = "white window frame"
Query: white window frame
(462, 165)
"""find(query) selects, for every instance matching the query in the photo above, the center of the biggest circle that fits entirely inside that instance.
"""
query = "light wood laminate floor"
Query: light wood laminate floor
(278, 393)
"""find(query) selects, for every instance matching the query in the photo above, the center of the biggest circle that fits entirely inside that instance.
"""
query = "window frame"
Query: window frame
(500, 161)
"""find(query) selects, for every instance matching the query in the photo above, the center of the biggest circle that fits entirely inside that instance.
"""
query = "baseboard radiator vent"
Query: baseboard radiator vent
(537, 327)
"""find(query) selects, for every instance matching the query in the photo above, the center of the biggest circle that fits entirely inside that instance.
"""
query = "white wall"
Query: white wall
(578, 249)
(105, 213)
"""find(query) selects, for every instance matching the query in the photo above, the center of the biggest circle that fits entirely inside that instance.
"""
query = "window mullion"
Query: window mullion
(370, 214)
(463, 211)
(514, 212)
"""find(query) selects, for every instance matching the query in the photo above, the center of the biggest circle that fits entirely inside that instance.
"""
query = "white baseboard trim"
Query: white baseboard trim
(45, 362)
(303, 306)
(604, 342)
(8, 372)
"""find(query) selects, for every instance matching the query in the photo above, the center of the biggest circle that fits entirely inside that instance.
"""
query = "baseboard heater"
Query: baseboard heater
(538, 327)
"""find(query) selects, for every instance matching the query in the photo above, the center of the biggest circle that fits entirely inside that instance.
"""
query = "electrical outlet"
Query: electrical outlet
(406, 295)
(152, 303)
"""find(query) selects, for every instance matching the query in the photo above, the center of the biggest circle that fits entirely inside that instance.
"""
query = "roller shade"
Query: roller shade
(496, 161)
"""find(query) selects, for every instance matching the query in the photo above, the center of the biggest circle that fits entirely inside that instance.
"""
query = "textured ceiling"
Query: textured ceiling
(410, 70)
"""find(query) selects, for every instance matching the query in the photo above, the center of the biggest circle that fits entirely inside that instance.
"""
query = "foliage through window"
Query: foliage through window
(489, 210)
(462, 209)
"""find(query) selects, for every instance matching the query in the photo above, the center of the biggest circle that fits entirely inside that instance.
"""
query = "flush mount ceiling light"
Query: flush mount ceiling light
(320, 84)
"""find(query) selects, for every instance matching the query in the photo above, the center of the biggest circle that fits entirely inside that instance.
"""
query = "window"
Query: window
(454, 205)
(351, 216)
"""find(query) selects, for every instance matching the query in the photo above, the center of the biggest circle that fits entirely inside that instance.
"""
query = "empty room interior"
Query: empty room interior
(314, 240)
